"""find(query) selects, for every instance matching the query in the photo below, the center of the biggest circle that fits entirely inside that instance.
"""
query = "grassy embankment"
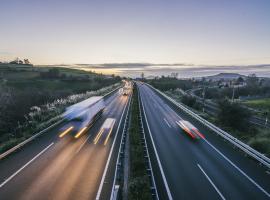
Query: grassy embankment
(261, 141)
(139, 185)
(30, 96)
(262, 105)
(66, 81)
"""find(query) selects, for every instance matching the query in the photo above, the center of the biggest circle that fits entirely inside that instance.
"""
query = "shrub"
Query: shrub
(233, 115)
(261, 144)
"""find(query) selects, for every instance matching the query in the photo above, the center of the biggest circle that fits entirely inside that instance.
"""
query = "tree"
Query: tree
(240, 80)
(252, 80)
(174, 75)
(189, 100)
(233, 115)
(26, 61)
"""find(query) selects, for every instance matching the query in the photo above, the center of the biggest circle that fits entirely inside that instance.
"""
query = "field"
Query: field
(66, 80)
(260, 104)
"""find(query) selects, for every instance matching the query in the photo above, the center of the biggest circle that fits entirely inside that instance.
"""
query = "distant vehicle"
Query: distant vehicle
(81, 116)
(126, 91)
(190, 129)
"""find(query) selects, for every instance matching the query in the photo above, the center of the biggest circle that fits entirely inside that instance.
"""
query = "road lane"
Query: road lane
(180, 157)
(70, 169)
(17, 159)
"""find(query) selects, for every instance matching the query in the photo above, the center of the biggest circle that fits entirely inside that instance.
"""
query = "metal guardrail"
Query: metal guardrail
(120, 155)
(154, 192)
(18, 146)
(119, 163)
(3, 155)
(244, 147)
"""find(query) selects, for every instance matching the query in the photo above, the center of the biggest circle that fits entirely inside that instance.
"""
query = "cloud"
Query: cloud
(184, 69)
(5, 53)
(130, 65)
(195, 71)
(115, 65)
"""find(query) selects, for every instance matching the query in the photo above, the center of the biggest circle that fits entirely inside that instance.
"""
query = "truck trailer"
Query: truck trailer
(82, 115)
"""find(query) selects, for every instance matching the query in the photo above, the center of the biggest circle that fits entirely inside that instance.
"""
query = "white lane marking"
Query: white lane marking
(83, 144)
(212, 183)
(28, 163)
(159, 163)
(167, 123)
(243, 173)
(109, 158)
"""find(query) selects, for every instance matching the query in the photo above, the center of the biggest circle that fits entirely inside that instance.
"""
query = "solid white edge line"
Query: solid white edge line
(24, 166)
(146, 144)
(212, 183)
(155, 150)
(115, 173)
(167, 123)
(234, 165)
(228, 160)
(109, 158)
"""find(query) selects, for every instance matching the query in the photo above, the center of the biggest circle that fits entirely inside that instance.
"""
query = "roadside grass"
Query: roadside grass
(43, 116)
(260, 104)
(139, 183)
(69, 80)
(261, 141)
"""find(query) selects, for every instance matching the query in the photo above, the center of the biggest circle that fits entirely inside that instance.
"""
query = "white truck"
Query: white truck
(82, 115)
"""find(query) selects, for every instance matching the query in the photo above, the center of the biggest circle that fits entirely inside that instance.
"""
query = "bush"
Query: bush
(233, 115)
(168, 83)
(137, 188)
(261, 144)
(188, 100)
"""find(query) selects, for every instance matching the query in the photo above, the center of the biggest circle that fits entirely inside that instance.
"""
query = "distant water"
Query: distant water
(183, 71)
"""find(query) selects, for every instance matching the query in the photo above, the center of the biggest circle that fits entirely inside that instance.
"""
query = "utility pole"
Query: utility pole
(203, 94)
(266, 118)
(233, 94)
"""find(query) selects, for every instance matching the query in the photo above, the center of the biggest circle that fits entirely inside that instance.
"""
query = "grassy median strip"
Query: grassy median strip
(139, 183)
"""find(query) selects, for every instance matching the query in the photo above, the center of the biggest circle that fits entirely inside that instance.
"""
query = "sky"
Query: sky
(192, 32)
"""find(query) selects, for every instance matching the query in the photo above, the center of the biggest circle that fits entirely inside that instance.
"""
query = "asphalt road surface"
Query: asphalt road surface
(208, 168)
(64, 168)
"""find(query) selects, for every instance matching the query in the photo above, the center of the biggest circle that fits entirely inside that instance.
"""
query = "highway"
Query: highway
(66, 168)
(209, 168)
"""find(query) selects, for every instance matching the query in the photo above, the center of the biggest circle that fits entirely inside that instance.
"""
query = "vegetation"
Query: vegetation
(233, 115)
(259, 104)
(169, 83)
(254, 87)
(261, 141)
(28, 98)
(139, 185)
(190, 101)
